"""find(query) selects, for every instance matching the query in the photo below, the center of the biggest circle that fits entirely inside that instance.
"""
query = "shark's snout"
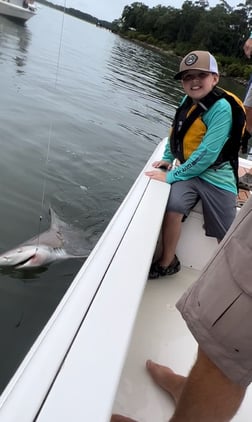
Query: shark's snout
(27, 256)
(49, 246)
(26, 262)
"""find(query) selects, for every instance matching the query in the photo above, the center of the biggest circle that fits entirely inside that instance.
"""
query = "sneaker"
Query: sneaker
(156, 270)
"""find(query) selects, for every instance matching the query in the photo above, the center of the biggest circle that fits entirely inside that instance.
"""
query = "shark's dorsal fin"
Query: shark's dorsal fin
(56, 222)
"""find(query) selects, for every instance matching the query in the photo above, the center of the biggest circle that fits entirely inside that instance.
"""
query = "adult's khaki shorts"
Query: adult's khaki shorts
(218, 307)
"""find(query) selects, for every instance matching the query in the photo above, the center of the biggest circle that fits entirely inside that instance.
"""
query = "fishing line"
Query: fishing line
(51, 126)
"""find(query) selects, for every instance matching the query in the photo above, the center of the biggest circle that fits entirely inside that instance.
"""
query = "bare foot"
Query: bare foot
(120, 418)
(166, 379)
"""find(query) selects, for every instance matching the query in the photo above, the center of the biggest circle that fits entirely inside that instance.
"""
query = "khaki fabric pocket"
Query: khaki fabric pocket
(216, 291)
(218, 307)
(224, 300)
(238, 253)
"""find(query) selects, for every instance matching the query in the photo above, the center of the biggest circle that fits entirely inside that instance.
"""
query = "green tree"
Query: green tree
(221, 29)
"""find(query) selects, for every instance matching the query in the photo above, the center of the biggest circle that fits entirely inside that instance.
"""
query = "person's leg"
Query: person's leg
(248, 106)
(248, 109)
(248, 118)
(206, 395)
(168, 263)
(171, 230)
(167, 379)
(182, 199)
(219, 209)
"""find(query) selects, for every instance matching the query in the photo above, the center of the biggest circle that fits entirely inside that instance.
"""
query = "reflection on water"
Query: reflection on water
(155, 81)
(27, 274)
(16, 38)
(145, 78)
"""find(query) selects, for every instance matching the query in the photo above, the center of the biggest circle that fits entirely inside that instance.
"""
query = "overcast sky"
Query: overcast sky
(112, 9)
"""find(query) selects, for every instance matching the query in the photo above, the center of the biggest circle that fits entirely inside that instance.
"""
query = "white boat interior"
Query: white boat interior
(89, 360)
(20, 10)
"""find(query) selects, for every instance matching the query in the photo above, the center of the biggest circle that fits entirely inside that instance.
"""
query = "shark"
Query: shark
(61, 241)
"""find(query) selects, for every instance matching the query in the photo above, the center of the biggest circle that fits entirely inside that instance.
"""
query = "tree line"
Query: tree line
(77, 14)
(221, 29)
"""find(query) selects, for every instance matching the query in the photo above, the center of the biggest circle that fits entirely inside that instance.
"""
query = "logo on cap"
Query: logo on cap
(191, 59)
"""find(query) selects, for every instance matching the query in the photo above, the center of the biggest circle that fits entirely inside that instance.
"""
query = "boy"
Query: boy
(203, 172)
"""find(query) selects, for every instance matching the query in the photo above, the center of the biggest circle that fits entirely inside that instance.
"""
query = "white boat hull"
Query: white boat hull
(15, 10)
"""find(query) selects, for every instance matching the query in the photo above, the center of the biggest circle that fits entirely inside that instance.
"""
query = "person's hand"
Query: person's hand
(162, 163)
(247, 48)
(157, 175)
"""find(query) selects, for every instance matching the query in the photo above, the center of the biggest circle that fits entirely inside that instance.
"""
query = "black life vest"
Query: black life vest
(182, 122)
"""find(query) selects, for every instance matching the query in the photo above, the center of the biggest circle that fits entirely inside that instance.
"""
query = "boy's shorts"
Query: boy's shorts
(218, 307)
(219, 205)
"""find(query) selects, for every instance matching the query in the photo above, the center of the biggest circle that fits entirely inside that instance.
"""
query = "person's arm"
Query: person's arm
(247, 48)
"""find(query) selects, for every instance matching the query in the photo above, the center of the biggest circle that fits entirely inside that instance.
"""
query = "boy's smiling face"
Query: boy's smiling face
(197, 84)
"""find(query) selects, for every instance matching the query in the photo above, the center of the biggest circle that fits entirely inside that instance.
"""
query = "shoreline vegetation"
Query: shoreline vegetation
(170, 31)
(165, 52)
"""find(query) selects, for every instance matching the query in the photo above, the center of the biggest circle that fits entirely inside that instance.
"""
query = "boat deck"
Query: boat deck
(160, 334)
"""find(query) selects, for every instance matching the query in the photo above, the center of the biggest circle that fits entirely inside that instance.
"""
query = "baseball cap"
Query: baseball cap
(197, 60)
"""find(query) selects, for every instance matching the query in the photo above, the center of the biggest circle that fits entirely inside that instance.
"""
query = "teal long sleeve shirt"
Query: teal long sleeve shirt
(218, 120)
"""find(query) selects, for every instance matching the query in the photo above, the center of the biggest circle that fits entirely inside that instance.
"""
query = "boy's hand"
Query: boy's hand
(157, 175)
(163, 164)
